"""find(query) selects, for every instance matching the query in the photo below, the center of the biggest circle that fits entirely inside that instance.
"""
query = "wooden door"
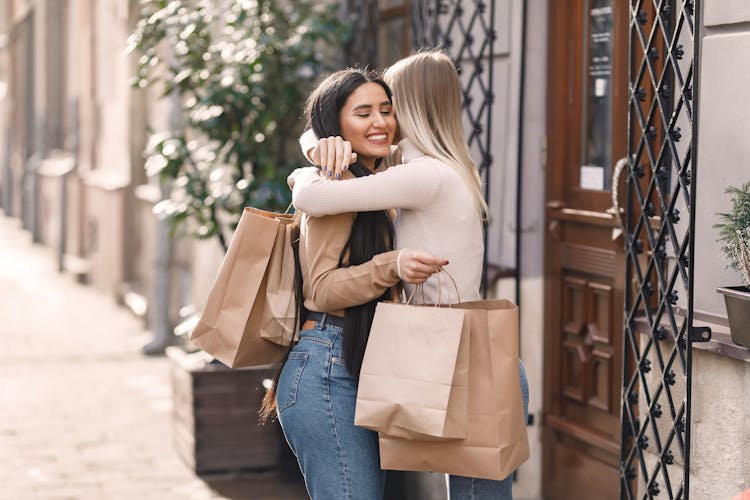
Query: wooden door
(584, 262)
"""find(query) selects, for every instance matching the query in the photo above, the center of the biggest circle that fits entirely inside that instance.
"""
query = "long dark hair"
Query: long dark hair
(372, 232)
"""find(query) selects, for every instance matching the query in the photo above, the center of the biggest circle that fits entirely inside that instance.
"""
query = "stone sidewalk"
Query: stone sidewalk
(83, 415)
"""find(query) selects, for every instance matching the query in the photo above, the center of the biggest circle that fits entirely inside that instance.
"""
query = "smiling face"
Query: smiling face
(368, 123)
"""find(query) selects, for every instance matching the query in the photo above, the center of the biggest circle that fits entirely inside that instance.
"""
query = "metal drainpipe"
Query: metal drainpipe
(488, 169)
(9, 32)
(159, 323)
(159, 318)
(7, 193)
(41, 125)
(63, 232)
(42, 152)
(63, 243)
(519, 167)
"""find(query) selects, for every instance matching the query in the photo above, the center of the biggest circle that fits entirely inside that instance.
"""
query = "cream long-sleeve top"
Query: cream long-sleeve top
(437, 213)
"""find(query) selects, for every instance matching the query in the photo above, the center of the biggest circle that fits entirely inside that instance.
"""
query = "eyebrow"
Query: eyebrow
(369, 106)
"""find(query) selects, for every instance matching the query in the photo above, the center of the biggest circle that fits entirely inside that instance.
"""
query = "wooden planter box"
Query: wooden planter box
(215, 416)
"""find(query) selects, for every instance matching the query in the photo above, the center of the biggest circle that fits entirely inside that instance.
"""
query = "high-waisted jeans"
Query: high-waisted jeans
(316, 398)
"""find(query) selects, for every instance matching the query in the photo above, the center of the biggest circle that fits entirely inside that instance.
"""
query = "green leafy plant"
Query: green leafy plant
(241, 71)
(734, 231)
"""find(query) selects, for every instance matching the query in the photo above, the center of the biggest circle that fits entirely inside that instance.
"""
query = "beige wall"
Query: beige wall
(723, 148)
(529, 483)
(720, 458)
(501, 242)
(100, 31)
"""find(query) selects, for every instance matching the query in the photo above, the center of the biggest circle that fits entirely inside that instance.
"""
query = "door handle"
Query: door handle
(615, 210)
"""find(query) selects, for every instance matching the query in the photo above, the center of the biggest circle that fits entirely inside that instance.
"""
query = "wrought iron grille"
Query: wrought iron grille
(466, 31)
(362, 49)
(660, 223)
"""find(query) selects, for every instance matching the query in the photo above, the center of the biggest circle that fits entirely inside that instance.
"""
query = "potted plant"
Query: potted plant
(734, 233)
(240, 72)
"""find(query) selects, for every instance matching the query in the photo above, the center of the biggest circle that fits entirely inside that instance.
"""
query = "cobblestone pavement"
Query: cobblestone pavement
(83, 415)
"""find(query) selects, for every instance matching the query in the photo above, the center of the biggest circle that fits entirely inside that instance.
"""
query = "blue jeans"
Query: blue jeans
(471, 488)
(315, 398)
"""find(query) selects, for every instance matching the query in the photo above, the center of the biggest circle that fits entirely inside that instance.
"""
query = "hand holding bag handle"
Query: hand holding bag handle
(414, 378)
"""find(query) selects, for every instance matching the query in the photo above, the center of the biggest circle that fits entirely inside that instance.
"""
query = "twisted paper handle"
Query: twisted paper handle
(420, 287)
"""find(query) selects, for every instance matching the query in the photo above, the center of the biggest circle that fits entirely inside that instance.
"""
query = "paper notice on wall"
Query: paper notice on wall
(600, 87)
(592, 177)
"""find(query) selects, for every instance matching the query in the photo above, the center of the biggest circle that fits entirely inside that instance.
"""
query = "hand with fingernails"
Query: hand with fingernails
(415, 266)
(334, 155)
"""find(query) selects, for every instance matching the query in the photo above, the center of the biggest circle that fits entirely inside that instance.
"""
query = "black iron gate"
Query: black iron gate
(465, 29)
(660, 235)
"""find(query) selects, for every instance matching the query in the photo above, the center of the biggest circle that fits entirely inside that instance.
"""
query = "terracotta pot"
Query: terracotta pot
(737, 301)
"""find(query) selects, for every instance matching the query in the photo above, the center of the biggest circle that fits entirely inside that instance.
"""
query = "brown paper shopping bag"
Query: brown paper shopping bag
(279, 317)
(496, 442)
(237, 312)
(414, 376)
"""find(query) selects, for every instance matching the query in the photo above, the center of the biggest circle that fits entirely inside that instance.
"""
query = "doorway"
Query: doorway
(584, 261)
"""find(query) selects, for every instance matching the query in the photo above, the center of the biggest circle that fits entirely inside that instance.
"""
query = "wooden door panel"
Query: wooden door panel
(589, 379)
(583, 278)
(601, 297)
(601, 384)
(574, 372)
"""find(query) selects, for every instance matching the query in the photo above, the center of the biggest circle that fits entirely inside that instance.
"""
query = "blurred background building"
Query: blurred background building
(548, 90)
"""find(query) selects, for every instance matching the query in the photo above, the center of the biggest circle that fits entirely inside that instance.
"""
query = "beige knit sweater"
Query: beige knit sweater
(436, 213)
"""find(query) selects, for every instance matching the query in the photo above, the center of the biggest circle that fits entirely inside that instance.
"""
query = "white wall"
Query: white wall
(532, 239)
(720, 448)
(501, 244)
(723, 145)
(720, 437)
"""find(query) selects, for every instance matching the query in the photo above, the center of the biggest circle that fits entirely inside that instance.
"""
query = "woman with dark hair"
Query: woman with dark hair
(436, 188)
(347, 264)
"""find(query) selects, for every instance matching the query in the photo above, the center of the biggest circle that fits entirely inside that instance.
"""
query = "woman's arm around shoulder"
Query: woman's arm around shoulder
(412, 186)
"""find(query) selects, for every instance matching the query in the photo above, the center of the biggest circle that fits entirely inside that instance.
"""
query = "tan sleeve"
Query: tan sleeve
(329, 288)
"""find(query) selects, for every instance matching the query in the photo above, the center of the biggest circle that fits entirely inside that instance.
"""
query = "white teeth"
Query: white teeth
(377, 137)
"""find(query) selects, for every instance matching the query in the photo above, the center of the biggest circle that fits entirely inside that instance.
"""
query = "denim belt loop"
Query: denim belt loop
(322, 322)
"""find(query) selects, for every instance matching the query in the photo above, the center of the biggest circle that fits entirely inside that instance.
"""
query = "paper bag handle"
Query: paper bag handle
(455, 286)
(420, 287)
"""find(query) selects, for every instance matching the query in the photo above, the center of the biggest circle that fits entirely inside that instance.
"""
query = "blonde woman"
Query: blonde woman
(436, 188)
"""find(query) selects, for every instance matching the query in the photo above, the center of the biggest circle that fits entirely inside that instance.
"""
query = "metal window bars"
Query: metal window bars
(660, 235)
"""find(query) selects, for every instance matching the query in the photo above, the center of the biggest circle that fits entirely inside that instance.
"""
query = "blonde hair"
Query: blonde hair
(427, 100)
